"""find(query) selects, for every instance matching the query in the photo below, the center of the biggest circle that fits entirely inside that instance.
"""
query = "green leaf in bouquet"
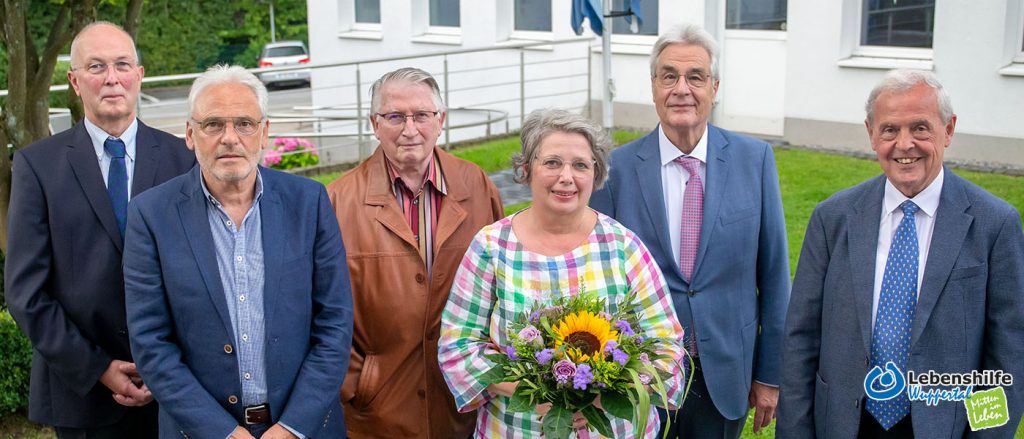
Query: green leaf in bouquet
(519, 403)
(496, 358)
(494, 376)
(643, 405)
(557, 423)
(617, 405)
(597, 419)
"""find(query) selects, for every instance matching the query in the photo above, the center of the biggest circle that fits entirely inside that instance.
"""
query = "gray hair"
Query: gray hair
(901, 81)
(221, 74)
(74, 42)
(690, 34)
(405, 74)
(540, 123)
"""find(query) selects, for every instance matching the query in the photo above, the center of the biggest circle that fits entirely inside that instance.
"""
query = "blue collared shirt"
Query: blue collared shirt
(240, 262)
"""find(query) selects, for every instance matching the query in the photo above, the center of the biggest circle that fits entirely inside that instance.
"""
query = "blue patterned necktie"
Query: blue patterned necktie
(117, 181)
(897, 300)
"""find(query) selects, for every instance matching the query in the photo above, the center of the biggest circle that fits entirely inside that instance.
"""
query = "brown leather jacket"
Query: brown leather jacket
(394, 386)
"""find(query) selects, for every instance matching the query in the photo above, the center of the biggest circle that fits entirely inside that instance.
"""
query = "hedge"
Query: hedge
(15, 365)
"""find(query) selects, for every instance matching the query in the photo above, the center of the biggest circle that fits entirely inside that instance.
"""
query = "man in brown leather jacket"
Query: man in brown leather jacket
(407, 215)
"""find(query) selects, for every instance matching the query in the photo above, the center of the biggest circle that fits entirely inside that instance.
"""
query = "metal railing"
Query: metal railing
(485, 92)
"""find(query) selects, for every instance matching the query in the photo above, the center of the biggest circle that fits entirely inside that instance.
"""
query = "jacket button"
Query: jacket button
(692, 293)
(856, 404)
(432, 334)
(420, 278)
(228, 349)
(232, 399)
(422, 393)
(122, 332)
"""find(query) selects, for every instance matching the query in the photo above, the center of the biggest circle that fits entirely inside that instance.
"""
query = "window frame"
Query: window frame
(901, 52)
(365, 25)
(725, 25)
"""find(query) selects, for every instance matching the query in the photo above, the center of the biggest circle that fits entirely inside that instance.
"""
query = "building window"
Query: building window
(756, 14)
(444, 13)
(901, 23)
(649, 12)
(367, 11)
(533, 15)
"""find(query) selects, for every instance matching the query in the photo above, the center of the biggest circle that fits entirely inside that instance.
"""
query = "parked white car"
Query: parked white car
(284, 53)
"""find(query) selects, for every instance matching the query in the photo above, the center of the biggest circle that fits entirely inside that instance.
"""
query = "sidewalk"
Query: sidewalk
(511, 192)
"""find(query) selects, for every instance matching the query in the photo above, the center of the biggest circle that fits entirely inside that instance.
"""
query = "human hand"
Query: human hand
(277, 431)
(123, 379)
(504, 389)
(240, 433)
(764, 399)
(579, 421)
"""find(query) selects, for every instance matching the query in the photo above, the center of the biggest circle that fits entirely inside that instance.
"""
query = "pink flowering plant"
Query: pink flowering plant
(291, 152)
(571, 351)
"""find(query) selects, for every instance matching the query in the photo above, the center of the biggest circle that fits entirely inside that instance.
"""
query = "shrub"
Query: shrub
(291, 152)
(15, 365)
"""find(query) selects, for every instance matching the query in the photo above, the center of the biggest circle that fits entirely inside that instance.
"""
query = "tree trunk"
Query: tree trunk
(132, 16)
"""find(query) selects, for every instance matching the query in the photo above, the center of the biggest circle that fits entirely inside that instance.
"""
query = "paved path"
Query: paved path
(511, 192)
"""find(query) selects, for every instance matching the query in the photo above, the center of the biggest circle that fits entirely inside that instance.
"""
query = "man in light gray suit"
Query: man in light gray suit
(914, 270)
(706, 203)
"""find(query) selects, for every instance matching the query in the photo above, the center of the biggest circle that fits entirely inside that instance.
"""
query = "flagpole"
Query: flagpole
(606, 66)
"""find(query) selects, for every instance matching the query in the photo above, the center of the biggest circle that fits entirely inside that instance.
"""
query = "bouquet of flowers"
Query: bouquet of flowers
(572, 351)
(291, 152)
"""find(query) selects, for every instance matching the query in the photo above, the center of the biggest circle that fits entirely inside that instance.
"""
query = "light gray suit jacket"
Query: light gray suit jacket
(970, 310)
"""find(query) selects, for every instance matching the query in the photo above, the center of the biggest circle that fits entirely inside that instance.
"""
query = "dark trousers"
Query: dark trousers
(137, 422)
(699, 418)
(871, 429)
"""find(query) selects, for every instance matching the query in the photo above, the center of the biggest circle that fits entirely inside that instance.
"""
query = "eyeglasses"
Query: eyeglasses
(419, 117)
(695, 79)
(215, 126)
(98, 68)
(555, 164)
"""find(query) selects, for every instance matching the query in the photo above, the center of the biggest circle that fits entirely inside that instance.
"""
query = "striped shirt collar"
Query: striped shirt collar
(434, 176)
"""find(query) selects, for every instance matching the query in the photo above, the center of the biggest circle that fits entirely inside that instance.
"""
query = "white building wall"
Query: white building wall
(827, 84)
(804, 84)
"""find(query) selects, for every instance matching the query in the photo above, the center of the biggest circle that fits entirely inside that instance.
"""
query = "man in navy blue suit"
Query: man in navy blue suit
(915, 270)
(64, 285)
(706, 202)
(237, 288)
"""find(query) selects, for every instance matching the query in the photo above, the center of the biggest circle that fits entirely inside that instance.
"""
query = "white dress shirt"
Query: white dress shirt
(674, 179)
(99, 136)
(928, 202)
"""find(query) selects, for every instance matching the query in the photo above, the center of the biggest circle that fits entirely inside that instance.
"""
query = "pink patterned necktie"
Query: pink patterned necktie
(693, 212)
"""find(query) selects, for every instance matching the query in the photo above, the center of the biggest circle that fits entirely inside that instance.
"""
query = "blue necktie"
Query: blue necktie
(117, 181)
(897, 300)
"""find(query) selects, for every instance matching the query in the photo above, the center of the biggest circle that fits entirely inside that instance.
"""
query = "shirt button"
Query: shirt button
(238, 258)
(228, 349)
(245, 337)
(241, 298)
(248, 376)
(230, 223)
(415, 201)
(232, 399)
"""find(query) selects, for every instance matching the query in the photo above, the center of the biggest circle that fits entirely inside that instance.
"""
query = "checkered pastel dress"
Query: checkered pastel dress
(498, 279)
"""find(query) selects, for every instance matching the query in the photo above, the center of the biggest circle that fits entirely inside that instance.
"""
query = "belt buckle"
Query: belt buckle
(257, 414)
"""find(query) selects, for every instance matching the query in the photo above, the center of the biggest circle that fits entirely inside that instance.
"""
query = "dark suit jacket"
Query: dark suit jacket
(970, 310)
(740, 288)
(63, 274)
(180, 326)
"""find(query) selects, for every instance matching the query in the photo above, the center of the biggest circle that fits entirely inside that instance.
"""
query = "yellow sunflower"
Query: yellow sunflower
(585, 332)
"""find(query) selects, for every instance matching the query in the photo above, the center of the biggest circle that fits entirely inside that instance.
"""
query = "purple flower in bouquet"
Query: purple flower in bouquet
(529, 334)
(644, 358)
(511, 352)
(612, 344)
(535, 316)
(563, 370)
(544, 356)
(620, 357)
(583, 377)
(624, 328)
(604, 315)
(645, 379)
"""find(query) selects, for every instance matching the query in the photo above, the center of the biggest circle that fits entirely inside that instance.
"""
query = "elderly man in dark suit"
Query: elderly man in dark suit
(64, 286)
(914, 270)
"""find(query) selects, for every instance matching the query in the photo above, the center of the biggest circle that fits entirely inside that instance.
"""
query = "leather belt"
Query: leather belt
(257, 414)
